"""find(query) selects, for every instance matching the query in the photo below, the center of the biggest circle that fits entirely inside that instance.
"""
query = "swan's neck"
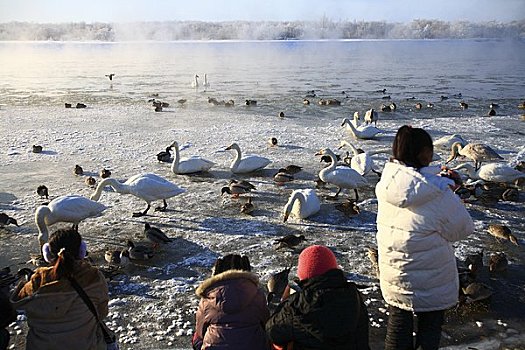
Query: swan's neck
(117, 186)
(237, 158)
(176, 159)
(356, 120)
(40, 220)
(297, 196)
(354, 150)
(351, 127)
(196, 82)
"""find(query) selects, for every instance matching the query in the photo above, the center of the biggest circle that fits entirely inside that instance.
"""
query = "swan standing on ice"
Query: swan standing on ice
(190, 165)
(148, 187)
(246, 164)
(494, 172)
(206, 83)
(302, 204)
(195, 82)
(361, 132)
(362, 162)
(71, 208)
(478, 152)
(342, 177)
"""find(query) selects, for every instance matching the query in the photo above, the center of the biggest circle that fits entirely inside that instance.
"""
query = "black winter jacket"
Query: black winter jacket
(328, 313)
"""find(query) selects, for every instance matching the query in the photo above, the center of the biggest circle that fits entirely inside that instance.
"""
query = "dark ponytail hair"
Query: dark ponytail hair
(408, 145)
(231, 262)
(65, 245)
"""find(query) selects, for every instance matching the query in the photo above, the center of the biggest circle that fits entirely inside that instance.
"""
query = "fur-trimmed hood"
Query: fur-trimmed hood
(225, 276)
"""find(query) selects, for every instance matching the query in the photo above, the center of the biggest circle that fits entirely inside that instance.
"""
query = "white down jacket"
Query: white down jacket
(416, 222)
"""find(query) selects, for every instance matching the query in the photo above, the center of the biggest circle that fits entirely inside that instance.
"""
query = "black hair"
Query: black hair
(231, 262)
(65, 245)
(408, 145)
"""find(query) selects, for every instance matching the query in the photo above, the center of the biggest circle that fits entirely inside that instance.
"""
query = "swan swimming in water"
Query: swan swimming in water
(190, 165)
(195, 82)
(71, 208)
(342, 177)
(148, 187)
(246, 164)
(302, 204)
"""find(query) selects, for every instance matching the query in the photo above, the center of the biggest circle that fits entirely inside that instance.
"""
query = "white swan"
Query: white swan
(302, 204)
(361, 132)
(371, 116)
(148, 187)
(342, 177)
(362, 162)
(71, 208)
(478, 152)
(246, 164)
(190, 165)
(195, 82)
(206, 83)
(494, 172)
(447, 141)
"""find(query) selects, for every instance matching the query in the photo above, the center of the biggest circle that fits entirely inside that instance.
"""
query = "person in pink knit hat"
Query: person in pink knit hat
(326, 313)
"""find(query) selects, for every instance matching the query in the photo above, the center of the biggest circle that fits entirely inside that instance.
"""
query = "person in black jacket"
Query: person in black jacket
(327, 313)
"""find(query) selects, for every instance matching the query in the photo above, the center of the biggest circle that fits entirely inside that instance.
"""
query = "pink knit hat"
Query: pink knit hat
(314, 261)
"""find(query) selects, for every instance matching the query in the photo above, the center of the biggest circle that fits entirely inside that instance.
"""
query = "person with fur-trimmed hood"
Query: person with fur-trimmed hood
(232, 310)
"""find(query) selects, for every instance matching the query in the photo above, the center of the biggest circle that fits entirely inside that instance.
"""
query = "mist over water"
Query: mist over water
(324, 28)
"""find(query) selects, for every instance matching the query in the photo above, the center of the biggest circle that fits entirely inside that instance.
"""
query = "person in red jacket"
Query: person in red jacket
(232, 310)
(327, 313)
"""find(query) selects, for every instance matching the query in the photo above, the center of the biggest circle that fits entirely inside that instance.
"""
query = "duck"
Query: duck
(37, 149)
(277, 284)
(155, 235)
(292, 169)
(236, 188)
(7, 220)
(281, 114)
(117, 258)
(446, 142)
(430, 105)
(272, 142)
(182, 101)
(477, 291)
(148, 187)
(463, 105)
(139, 252)
(246, 164)
(493, 172)
(385, 108)
(90, 181)
(42, 191)
(104, 173)
(348, 208)
(250, 102)
(282, 177)
(419, 105)
(81, 105)
(195, 82)
(502, 232)
(362, 162)
(371, 116)
(478, 152)
(474, 262)
(194, 164)
(110, 76)
(522, 105)
(306, 101)
(165, 156)
(248, 207)
(289, 241)
(361, 132)
(393, 106)
(342, 177)
(492, 112)
(302, 204)
(498, 262)
(78, 170)
(69, 208)
(229, 103)
(511, 195)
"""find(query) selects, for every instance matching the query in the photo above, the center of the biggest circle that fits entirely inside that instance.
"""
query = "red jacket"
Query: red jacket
(232, 313)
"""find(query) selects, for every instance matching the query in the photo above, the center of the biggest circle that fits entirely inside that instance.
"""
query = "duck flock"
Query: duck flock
(301, 186)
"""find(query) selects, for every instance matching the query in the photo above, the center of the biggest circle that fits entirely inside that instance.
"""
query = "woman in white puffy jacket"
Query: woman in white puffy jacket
(418, 218)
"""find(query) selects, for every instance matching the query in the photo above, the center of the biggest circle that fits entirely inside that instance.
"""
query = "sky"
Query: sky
(59, 11)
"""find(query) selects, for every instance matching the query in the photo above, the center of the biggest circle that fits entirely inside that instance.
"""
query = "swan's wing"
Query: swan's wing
(252, 163)
(75, 208)
(153, 187)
